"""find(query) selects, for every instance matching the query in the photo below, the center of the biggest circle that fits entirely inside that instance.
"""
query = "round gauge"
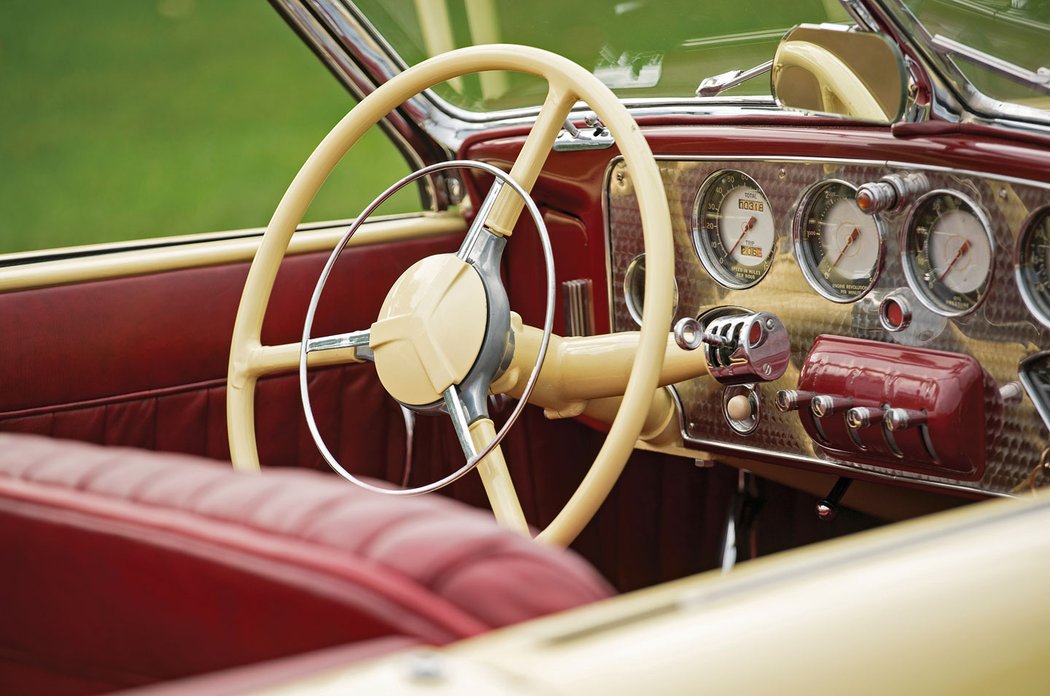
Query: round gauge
(634, 289)
(838, 247)
(733, 231)
(948, 252)
(1032, 264)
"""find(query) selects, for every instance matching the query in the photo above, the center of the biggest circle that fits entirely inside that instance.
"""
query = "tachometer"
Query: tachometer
(948, 252)
(1032, 264)
(733, 229)
(838, 248)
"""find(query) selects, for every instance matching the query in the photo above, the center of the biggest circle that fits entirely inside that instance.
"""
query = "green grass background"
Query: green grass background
(123, 119)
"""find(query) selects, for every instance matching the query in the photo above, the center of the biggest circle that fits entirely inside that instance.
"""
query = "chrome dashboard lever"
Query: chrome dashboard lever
(689, 335)
(594, 137)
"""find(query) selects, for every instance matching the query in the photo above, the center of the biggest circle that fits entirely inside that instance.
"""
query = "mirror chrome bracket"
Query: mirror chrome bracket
(716, 84)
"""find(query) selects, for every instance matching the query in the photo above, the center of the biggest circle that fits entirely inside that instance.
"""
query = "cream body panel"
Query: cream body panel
(950, 604)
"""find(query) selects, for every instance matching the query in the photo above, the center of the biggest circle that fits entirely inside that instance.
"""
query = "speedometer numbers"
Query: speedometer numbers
(733, 232)
(948, 252)
(839, 248)
(1032, 264)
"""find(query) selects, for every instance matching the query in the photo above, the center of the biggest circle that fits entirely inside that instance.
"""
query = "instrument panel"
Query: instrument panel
(958, 263)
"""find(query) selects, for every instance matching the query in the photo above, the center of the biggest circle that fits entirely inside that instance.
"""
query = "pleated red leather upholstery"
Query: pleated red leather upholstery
(125, 567)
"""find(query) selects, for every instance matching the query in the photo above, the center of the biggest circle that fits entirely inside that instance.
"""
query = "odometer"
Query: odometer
(948, 252)
(838, 248)
(733, 229)
(1032, 264)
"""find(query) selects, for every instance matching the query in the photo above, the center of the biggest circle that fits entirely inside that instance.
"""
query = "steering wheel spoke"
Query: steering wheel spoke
(268, 360)
(457, 412)
(356, 340)
(559, 102)
(466, 251)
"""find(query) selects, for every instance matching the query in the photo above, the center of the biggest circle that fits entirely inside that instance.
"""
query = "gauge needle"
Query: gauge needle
(747, 228)
(849, 242)
(958, 255)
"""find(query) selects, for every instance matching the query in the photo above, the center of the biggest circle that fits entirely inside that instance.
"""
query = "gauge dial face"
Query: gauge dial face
(733, 231)
(838, 247)
(1032, 263)
(634, 289)
(948, 253)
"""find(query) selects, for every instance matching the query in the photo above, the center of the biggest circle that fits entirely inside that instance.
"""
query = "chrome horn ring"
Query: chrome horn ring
(548, 322)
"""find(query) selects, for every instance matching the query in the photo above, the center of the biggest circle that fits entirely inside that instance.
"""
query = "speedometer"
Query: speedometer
(948, 252)
(838, 248)
(733, 229)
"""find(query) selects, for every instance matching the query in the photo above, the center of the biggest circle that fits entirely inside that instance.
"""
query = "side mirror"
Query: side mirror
(854, 74)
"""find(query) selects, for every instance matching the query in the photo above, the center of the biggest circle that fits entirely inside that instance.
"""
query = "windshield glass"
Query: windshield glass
(1013, 37)
(640, 48)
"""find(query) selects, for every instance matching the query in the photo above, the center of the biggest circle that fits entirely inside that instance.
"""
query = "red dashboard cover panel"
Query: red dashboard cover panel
(952, 389)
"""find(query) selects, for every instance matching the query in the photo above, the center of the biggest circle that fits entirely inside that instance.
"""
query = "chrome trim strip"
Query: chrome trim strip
(893, 164)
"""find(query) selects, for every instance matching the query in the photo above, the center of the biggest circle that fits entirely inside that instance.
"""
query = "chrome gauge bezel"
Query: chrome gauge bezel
(812, 275)
(908, 230)
(634, 304)
(715, 269)
(1038, 306)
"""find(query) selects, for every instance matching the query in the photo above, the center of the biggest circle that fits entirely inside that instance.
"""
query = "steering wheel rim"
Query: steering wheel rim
(567, 83)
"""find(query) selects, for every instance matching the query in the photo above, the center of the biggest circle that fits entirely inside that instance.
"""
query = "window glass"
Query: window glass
(125, 119)
(639, 48)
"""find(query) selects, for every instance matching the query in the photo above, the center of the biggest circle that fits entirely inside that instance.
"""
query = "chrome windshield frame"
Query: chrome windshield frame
(956, 98)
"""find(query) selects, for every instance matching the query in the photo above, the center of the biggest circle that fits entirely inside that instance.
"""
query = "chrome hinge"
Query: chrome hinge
(594, 137)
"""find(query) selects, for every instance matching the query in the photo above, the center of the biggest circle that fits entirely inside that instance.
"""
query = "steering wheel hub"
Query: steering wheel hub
(430, 329)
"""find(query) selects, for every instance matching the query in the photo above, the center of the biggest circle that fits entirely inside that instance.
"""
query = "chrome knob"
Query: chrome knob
(891, 192)
(903, 418)
(826, 405)
(863, 416)
(688, 334)
(1011, 393)
(792, 400)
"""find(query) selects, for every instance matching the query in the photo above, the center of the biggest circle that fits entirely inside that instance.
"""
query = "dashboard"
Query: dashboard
(911, 294)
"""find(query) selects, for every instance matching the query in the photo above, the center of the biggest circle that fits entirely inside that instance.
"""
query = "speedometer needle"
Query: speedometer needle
(747, 228)
(849, 242)
(958, 255)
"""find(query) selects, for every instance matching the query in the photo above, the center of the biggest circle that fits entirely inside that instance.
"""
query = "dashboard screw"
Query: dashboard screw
(782, 174)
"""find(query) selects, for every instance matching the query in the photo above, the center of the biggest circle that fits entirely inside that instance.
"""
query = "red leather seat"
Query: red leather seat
(125, 567)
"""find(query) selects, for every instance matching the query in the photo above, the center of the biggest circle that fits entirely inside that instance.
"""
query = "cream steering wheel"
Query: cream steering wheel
(411, 326)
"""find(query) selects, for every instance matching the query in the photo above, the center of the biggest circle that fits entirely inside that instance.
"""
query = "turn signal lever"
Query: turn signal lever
(740, 347)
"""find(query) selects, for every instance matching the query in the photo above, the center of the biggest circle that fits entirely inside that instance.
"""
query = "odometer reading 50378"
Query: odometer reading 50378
(733, 229)
(838, 248)
(948, 253)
